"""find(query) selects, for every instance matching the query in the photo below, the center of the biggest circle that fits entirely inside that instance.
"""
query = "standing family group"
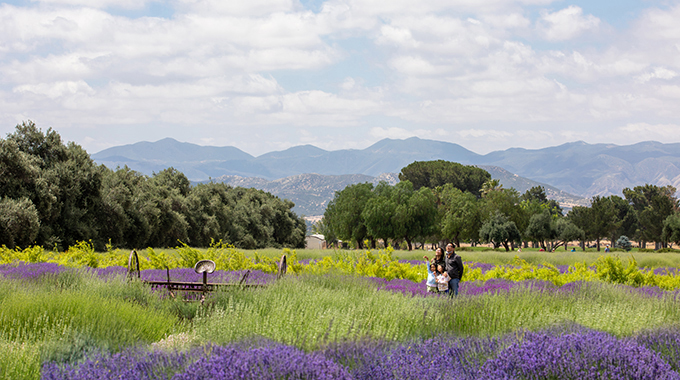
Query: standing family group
(444, 272)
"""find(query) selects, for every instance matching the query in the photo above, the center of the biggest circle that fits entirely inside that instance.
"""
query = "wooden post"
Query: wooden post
(283, 267)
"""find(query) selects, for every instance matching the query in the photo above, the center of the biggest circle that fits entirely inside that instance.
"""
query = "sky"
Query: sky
(267, 75)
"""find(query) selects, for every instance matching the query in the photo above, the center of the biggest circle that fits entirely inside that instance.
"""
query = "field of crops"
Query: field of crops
(339, 315)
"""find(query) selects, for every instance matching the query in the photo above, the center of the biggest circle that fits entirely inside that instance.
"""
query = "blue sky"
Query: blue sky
(266, 75)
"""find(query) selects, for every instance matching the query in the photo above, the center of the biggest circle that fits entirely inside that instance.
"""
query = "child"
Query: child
(431, 279)
(442, 280)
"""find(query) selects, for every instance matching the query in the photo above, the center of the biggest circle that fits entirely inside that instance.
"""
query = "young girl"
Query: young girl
(431, 279)
(442, 280)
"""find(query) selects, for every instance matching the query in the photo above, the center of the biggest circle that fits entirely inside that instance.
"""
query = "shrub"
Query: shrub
(624, 243)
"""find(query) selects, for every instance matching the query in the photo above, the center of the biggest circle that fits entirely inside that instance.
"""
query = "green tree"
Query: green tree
(210, 214)
(19, 222)
(416, 212)
(343, 213)
(438, 173)
(537, 194)
(625, 214)
(541, 228)
(581, 217)
(603, 220)
(566, 231)
(499, 230)
(505, 201)
(461, 215)
(127, 208)
(671, 229)
(62, 182)
(379, 212)
(652, 205)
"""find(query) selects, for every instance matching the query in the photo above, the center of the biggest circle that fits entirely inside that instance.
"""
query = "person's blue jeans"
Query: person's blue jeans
(453, 286)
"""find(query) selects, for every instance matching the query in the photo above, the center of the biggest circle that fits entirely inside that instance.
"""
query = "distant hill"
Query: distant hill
(577, 168)
(594, 169)
(385, 156)
(312, 192)
(522, 184)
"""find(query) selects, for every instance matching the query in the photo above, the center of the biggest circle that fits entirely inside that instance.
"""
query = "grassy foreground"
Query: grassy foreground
(65, 317)
(310, 311)
(341, 297)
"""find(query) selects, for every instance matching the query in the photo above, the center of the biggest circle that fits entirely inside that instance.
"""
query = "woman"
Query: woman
(439, 258)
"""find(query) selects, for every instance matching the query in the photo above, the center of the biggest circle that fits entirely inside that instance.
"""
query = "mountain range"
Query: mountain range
(577, 168)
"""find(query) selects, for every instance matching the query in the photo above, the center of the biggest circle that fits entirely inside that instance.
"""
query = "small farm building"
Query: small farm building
(315, 241)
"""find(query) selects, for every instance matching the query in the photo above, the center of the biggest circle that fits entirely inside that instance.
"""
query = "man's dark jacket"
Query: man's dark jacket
(454, 266)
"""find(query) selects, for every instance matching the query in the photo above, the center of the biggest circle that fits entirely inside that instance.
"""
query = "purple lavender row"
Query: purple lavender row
(30, 271)
(33, 271)
(219, 276)
(497, 285)
(573, 353)
(485, 267)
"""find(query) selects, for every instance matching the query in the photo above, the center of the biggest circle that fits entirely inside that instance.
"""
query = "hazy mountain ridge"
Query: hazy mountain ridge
(576, 168)
(522, 184)
(594, 169)
(312, 192)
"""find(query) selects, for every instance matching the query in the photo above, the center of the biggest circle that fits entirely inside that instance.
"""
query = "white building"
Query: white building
(315, 241)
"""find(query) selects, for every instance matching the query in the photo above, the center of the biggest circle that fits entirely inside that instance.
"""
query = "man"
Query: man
(454, 267)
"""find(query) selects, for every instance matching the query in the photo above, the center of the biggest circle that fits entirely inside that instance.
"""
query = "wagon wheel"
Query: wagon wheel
(283, 267)
(133, 265)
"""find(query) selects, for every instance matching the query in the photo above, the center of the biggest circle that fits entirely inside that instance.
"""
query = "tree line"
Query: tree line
(445, 201)
(54, 194)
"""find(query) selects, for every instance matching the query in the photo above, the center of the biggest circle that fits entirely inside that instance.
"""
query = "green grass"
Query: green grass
(311, 310)
(19, 360)
(64, 319)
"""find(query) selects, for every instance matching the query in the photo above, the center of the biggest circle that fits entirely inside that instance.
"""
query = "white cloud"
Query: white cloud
(657, 73)
(57, 89)
(506, 21)
(566, 24)
(397, 36)
(459, 69)
(486, 133)
(124, 4)
(392, 133)
(659, 132)
(246, 8)
(658, 24)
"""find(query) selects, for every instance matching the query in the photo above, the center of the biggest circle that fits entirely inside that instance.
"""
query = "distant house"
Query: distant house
(315, 241)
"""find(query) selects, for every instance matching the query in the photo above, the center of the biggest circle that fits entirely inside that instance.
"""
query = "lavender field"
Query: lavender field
(59, 322)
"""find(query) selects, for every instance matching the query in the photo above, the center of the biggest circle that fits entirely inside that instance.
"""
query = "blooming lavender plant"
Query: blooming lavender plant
(562, 352)
(666, 342)
(273, 361)
(580, 355)
(30, 271)
(129, 364)
(255, 277)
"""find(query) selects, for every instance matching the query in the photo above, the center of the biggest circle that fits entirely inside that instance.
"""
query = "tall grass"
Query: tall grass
(66, 316)
(312, 310)
(19, 360)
